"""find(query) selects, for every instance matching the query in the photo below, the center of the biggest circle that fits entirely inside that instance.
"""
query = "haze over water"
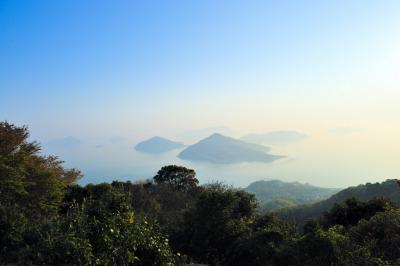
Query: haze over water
(318, 160)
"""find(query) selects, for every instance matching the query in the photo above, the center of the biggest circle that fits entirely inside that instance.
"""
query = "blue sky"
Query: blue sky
(84, 67)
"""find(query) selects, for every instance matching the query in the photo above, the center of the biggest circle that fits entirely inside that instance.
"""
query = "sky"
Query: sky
(97, 69)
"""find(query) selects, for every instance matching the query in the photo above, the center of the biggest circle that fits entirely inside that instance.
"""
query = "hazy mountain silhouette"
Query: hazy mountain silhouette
(158, 145)
(221, 149)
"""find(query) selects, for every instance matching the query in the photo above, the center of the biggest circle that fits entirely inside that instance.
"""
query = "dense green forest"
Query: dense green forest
(299, 215)
(47, 219)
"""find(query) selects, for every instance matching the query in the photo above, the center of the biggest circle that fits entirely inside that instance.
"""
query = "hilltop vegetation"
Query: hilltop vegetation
(47, 219)
(276, 194)
(388, 189)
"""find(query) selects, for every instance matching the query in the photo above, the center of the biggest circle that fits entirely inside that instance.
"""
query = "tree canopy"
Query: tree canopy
(178, 177)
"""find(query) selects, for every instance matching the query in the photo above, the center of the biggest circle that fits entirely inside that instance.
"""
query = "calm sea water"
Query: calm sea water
(318, 161)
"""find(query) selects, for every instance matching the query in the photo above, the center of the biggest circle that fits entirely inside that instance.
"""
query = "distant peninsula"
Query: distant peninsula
(157, 145)
(221, 149)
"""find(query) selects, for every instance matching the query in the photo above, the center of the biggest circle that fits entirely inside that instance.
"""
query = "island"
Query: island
(156, 145)
(221, 149)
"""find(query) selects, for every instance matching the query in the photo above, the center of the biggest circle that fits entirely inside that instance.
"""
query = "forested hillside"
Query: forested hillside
(47, 219)
(275, 194)
(389, 189)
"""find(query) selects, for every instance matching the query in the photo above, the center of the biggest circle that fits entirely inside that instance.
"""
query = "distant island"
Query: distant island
(221, 149)
(156, 145)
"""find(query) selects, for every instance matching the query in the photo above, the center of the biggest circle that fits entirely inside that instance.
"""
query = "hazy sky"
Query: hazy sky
(143, 68)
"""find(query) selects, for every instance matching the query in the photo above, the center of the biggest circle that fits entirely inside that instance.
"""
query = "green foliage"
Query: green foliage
(221, 216)
(29, 181)
(266, 242)
(355, 233)
(277, 204)
(323, 247)
(353, 210)
(178, 177)
(45, 219)
(380, 235)
(55, 242)
(299, 215)
(116, 235)
(97, 229)
(31, 188)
